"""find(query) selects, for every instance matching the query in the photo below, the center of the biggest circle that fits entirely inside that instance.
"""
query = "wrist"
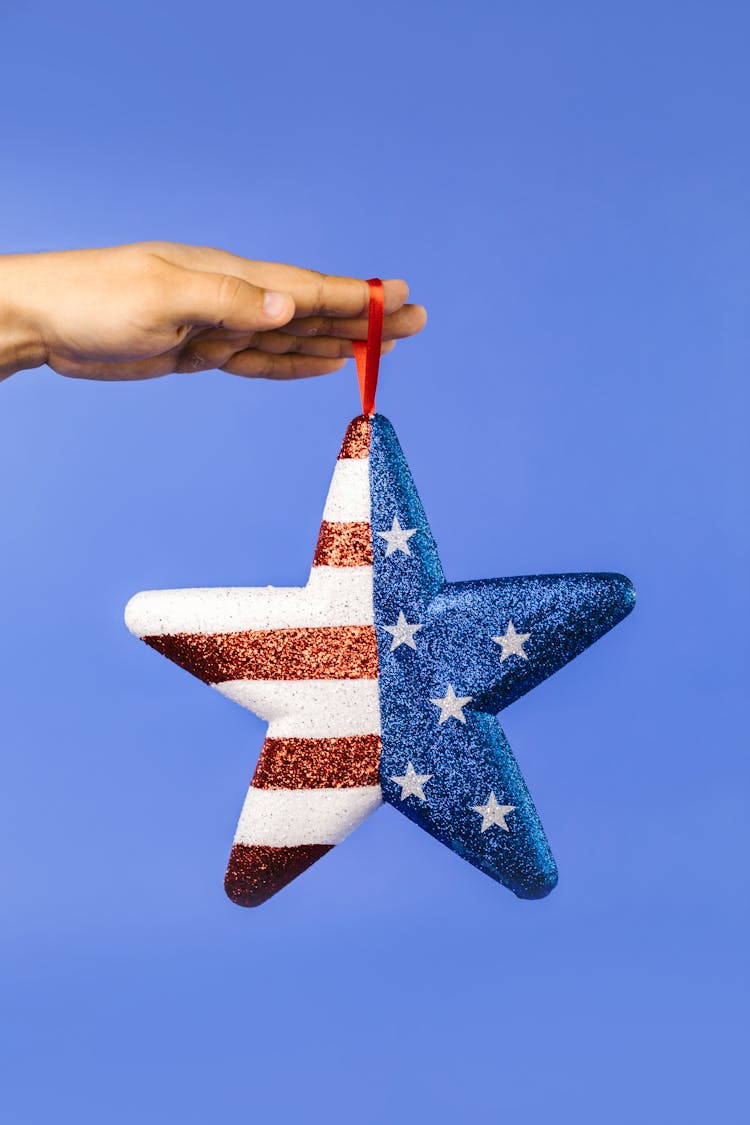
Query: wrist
(21, 343)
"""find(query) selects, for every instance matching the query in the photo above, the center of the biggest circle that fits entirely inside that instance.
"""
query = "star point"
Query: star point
(412, 783)
(452, 706)
(402, 632)
(493, 814)
(397, 538)
(512, 643)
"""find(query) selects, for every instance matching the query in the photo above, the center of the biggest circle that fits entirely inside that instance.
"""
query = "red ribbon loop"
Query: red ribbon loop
(367, 354)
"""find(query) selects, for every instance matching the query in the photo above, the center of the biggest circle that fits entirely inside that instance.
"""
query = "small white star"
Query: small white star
(452, 706)
(512, 643)
(402, 632)
(412, 783)
(397, 538)
(492, 813)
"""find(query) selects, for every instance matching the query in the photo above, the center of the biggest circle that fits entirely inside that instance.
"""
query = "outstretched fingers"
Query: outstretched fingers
(212, 350)
(407, 321)
(275, 356)
(264, 365)
(314, 293)
(289, 363)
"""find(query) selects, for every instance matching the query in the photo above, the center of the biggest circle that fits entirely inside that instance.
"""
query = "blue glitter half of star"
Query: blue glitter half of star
(451, 656)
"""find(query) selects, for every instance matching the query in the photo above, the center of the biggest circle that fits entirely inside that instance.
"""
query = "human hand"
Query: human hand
(151, 308)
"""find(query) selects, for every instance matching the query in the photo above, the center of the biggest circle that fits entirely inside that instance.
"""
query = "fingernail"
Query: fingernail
(275, 304)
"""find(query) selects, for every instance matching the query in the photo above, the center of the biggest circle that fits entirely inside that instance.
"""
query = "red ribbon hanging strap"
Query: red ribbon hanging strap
(367, 354)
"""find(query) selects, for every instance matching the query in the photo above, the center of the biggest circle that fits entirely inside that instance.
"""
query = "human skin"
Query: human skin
(150, 308)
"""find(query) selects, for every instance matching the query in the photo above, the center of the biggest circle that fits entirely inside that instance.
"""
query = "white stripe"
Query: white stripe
(349, 495)
(309, 708)
(282, 818)
(334, 595)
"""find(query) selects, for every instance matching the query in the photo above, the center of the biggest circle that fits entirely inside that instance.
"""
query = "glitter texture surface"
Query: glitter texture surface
(356, 442)
(469, 762)
(338, 652)
(343, 544)
(255, 873)
(318, 763)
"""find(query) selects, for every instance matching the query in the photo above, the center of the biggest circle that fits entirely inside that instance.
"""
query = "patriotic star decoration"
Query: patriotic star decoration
(381, 682)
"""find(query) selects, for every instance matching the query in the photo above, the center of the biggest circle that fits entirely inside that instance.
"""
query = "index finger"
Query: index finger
(315, 294)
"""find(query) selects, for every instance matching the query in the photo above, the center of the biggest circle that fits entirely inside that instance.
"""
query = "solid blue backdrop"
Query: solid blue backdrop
(566, 189)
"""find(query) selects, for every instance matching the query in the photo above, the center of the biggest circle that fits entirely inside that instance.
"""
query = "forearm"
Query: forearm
(21, 345)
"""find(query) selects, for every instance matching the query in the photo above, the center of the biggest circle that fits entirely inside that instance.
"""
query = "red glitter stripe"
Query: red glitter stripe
(318, 763)
(356, 439)
(341, 652)
(344, 544)
(256, 872)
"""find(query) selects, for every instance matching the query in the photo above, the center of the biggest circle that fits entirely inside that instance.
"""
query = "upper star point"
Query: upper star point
(402, 632)
(397, 538)
(452, 705)
(493, 813)
(512, 643)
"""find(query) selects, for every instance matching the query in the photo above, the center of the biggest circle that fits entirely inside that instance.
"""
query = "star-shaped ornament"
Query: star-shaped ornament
(327, 666)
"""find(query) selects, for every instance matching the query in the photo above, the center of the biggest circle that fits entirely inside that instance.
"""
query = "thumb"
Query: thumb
(221, 299)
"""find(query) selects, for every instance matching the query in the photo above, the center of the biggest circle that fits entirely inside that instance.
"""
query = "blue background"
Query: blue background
(565, 186)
